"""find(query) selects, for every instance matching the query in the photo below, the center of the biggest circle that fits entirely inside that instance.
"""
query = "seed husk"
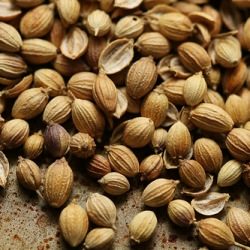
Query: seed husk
(116, 56)
(210, 204)
(4, 169)
(74, 43)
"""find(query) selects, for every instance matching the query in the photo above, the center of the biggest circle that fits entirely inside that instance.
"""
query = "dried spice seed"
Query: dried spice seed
(74, 224)
(58, 183)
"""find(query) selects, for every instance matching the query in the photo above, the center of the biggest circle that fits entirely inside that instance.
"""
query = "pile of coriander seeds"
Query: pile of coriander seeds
(165, 77)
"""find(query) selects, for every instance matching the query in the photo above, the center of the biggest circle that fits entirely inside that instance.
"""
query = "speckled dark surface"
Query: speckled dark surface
(27, 223)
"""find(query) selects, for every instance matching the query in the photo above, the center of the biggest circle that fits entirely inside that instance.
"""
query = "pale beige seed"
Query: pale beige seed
(181, 213)
(227, 51)
(138, 132)
(208, 153)
(211, 118)
(98, 23)
(123, 160)
(105, 93)
(114, 183)
(229, 174)
(10, 39)
(237, 109)
(58, 183)
(101, 210)
(215, 233)
(238, 144)
(239, 222)
(142, 226)
(159, 192)
(194, 89)
(87, 118)
(129, 27)
(33, 146)
(81, 85)
(154, 44)
(28, 174)
(74, 43)
(58, 110)
(38, 21)
(14, 133)
(30, 103)
(99, 238)
(12, 66)
(192, 174)
(175, 26)
(159, 139)
(194, 57)
(151, 167)
(82, 145)
(155, 106)
(69, 11)
(210, 204)
(74, 224)
(178, 141)
(49, 79)
(38, 51)
(141, 77)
